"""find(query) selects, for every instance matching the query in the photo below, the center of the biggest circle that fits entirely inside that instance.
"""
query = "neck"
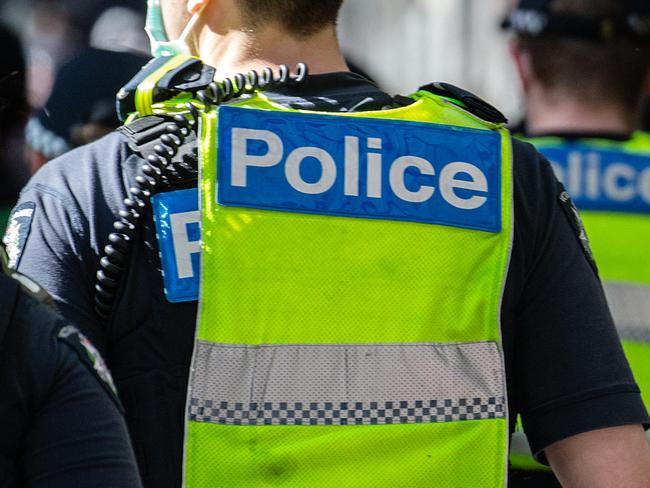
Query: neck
(239, 51)
(556, 114)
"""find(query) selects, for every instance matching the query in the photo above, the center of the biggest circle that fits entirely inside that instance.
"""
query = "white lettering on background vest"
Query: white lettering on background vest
(586, 177)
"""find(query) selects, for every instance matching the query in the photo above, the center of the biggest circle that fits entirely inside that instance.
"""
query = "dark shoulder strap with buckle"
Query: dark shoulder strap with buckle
(190, 76)
(145, 134)
(145, 130)
(468, 101)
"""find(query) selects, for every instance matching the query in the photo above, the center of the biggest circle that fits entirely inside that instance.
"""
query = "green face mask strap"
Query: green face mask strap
(161, 45)
(155, 26)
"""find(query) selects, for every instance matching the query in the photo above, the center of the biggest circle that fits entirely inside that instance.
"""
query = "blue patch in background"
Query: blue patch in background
(268, 187)
(602, 179)
(178, 230)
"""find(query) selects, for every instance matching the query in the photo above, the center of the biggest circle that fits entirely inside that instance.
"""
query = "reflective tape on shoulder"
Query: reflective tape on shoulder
(357, 384)
(630, 307)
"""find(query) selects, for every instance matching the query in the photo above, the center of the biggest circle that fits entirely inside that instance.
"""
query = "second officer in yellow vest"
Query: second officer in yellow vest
(377, 271)
(583, 67)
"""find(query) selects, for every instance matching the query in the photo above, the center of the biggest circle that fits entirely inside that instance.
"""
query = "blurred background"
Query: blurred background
(405, 44)
(62, 96)
(54, 31)
(401, 44)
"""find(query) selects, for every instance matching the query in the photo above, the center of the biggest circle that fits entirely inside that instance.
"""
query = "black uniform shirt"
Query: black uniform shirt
(59, 428)
(566, 370)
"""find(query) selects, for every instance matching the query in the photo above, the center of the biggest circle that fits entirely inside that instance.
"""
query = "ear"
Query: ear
(523, 63)
(195, 6)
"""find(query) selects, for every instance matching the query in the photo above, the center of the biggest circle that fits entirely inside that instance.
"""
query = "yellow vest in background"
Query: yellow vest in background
(609, 181)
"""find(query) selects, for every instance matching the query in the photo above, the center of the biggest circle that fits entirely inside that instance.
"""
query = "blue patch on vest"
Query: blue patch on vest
(178, 229)
(359, 167)
(602, 179)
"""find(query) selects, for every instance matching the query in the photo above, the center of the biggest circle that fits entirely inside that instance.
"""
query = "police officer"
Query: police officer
(61, 421)
(583, 67)
(364, 340)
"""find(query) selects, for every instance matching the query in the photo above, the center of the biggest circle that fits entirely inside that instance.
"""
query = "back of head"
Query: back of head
(588, 55)
(81, 107)
(300, 18)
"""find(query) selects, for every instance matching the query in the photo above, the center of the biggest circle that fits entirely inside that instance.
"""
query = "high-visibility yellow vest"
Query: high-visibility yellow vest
(609, 181)
(353, 267)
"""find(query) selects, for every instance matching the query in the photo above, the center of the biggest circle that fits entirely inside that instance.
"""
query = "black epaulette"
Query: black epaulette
(190, 76)
(468, 101)
(11, 282)
(145, 130)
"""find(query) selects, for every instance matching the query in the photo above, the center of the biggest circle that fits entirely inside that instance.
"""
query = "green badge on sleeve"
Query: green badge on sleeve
(571, 211)
(91, 357)
(15, 238)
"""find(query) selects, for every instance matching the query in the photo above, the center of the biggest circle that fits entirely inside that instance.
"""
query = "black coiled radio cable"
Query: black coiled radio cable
(161, 170)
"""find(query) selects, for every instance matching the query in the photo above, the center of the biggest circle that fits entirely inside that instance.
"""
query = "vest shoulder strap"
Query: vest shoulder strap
(638, 144)
(640, 141)
(467, 101)
(169, 79)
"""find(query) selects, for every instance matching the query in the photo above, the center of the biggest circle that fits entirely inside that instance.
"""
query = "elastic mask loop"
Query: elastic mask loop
(161, 45)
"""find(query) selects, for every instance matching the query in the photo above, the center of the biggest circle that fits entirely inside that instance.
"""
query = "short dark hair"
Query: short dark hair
(591, 71)
(300, 18)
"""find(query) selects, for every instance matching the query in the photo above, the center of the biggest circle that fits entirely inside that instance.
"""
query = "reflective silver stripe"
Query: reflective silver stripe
(630, 306)
(346, 384)
(519, 444)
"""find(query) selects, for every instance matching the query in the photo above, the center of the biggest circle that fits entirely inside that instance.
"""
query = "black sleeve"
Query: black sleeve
(570, 372)
(60, 425)
(57, 242)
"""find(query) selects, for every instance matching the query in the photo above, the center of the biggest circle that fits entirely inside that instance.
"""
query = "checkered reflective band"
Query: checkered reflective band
(344, 413)
(360, 384)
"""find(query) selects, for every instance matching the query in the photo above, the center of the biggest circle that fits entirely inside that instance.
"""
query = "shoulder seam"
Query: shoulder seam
(66, 201)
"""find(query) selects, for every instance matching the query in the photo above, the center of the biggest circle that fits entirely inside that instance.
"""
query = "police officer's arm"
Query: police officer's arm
(618, 456)
(60, 421)
(51, 239)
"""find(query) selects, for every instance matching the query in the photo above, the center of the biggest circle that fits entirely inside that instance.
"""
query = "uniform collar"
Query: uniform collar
(333, 92)
(612, 136)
